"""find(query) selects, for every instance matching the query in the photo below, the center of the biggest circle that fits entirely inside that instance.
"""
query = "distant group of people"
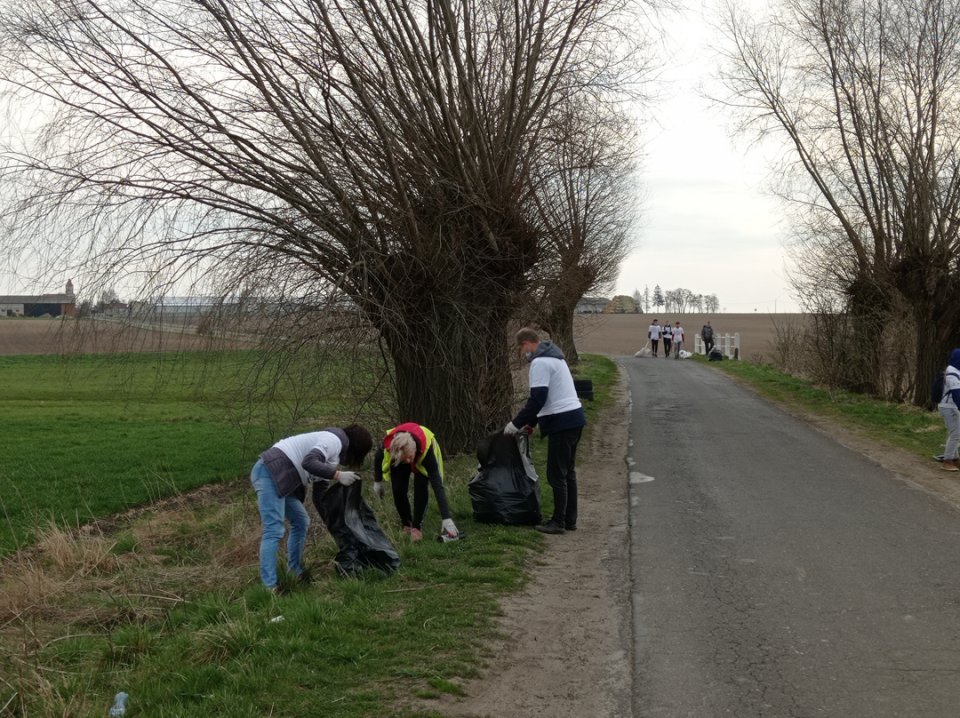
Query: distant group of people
(410, 451)
(673, 336)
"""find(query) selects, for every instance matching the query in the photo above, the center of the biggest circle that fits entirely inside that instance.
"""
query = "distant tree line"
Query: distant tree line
(679, 301)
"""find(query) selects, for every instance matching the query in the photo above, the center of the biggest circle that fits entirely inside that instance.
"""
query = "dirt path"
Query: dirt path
(567, 645)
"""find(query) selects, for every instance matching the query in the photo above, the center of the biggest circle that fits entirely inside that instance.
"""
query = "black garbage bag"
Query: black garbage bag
(506, 489)
(355, 529)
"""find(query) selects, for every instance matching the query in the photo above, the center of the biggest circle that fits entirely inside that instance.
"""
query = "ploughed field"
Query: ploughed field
(72, 336)
(624, 334)
(613, 334)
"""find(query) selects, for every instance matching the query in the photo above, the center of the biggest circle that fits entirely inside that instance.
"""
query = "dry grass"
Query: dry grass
(76, 554)
(125, 572)
(29, 679)
(119, 578)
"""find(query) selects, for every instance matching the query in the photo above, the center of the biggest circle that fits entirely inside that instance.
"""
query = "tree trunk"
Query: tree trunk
(930, 285)
(456, 378)
(462, 397)
(869, 312)
(937, 336)
(560, 325)
(559, 305)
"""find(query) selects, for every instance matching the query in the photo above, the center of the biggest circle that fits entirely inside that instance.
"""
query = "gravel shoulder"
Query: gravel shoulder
(566, 639)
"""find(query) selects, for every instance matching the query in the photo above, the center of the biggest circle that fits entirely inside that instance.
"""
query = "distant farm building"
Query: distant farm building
(592, 305)
(183, 310)
(622, 304)
(38, 305)
(115, 309)
(187, 306)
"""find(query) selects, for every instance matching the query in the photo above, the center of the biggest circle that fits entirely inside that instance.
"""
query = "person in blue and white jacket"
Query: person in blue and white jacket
(554, 404)
(280, 478)
(948, 407)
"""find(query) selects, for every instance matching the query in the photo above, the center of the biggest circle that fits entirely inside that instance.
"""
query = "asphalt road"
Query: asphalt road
(775, 572)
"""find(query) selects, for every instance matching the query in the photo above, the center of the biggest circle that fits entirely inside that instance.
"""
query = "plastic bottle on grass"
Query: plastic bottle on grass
(119, 707)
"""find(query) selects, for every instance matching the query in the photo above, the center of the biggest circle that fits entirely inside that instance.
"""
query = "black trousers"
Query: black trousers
(562, 474)
(400, 484)
(655, 343)
(666, 346)
(708, 344)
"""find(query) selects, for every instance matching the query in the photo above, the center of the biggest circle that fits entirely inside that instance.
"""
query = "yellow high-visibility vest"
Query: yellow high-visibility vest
(425, 438)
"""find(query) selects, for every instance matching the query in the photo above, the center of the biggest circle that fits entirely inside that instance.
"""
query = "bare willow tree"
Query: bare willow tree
(381, 147)
(865, 92)
(585, 206)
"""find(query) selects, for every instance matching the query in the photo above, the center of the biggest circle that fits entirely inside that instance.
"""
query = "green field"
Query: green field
(92, 435)
(86, 437)
(165, 603)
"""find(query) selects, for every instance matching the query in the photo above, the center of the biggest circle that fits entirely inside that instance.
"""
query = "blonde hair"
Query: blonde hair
(402, 445)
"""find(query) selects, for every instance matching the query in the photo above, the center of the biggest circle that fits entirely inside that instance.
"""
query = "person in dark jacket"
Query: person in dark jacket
(280, 477)
(554, 405)
(706, 333)
(411, 450)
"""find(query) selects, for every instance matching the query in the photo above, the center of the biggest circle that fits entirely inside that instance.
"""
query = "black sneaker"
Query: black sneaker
(305, 578)
(570, 527)
(551, 527)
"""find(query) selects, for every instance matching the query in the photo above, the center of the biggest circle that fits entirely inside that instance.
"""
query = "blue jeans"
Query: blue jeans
(273, 509)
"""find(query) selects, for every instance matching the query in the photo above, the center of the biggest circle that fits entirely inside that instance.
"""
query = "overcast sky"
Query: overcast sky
(707, 223)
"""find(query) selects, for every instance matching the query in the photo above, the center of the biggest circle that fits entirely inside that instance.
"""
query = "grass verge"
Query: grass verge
(903, 426)
(163, 602)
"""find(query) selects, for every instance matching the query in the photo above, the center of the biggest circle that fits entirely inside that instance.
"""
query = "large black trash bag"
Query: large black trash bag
(505, 489)
(355, 529)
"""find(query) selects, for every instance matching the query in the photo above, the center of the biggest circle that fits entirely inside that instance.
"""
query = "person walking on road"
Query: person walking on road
(410, 449)
(280, 477)
(706, 333)
(667, 339)
(677, 340)
(653, 334)
(554, 404)
(948, 407)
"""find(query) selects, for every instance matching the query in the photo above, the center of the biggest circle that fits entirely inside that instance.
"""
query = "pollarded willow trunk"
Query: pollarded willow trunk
(929, 284)
(559, 305)
(445, 328)
(869, 312)
(457, 381)
(938, 335)
(559, 324)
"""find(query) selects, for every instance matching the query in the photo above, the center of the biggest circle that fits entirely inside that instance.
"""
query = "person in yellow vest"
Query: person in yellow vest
(412, 450)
